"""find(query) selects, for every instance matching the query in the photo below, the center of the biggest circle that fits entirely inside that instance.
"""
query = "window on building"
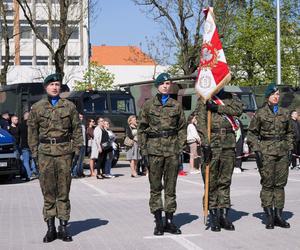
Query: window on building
(73, 60)
(42, 60)
(74, 32)
(11, 60)
(25, 32)
(26, 60)
(55, 32)
(43, 31)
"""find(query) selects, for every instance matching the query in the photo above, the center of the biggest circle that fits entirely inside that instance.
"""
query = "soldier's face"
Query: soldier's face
(164, 88)
(274, 98)
(53, 89)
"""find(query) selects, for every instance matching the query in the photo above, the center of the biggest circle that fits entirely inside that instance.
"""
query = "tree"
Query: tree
(63, 18)
(96, 78)
(5, 37)
(250, 44)
(181, 23)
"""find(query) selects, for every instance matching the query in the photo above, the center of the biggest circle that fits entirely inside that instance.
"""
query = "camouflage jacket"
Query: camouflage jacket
(154, 118)
(277, 127)
(46, 121)
(222, 134)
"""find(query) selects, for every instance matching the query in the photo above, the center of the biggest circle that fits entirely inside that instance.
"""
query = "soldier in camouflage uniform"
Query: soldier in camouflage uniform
(161, 136)
(270, 136)
(54, 135)
(220, 152)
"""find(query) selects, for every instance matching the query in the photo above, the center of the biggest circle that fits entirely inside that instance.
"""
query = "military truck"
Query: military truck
(9, 156)
(183, 90)
(115, 105)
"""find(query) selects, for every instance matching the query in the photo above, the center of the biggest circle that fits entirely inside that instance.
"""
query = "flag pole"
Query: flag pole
(206, 189)
(278, 44)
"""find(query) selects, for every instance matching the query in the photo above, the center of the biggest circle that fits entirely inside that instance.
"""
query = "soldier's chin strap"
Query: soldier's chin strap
(230, 118)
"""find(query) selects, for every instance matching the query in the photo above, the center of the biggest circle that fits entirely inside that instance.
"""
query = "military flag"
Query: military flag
(213, 71)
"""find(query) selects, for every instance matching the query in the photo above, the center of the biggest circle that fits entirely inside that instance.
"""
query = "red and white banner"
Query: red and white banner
(213, 72)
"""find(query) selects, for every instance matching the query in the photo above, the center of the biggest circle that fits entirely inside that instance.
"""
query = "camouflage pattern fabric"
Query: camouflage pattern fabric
(46, 121)
(220, 173)
(54, 160)
(163, 152)
(55, 182)
(166, 169)
(153, 118)
(274, 173)
(223, 145)
(274, 176)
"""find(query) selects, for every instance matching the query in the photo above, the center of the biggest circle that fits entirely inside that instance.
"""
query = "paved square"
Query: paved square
(114, 214)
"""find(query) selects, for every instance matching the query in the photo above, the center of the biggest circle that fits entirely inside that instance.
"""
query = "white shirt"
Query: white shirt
(192, 134)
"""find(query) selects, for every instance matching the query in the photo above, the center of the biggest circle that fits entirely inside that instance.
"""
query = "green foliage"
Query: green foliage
(96, 78)
(250, 45)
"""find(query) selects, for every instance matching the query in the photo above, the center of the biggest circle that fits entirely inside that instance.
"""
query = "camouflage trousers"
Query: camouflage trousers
(166, 169)
(274, 176)
(220, 173)
(55, 182)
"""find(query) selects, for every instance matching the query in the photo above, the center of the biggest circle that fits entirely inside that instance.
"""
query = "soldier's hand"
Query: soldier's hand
(145, 161)
(259, 159)
(207, 153)
(290, 156)
(210, 105)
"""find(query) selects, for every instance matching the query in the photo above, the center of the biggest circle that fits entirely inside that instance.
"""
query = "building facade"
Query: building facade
(30, 59)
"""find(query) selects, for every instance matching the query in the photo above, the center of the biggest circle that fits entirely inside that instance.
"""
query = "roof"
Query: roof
(120, 55)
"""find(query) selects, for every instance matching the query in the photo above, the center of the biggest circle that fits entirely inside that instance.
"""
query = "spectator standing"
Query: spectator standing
(239, 138)
(109, 153)
(4, 120)
(90, 138)
(14, 129)
(296, 150)
(77, 168)
(193, 140)
(28, 162)
(133, 154)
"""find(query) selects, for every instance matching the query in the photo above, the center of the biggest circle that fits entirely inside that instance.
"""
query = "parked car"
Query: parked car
(9, 156)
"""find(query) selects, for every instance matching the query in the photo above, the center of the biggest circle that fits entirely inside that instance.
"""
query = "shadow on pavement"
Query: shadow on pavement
(184, 218)
(285, 215)
(235, 215)
(77, 227)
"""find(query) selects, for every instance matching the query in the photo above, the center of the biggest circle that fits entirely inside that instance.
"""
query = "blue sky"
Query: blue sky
(120, 22)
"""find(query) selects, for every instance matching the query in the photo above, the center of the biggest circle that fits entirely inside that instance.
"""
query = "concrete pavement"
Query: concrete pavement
(114, 214)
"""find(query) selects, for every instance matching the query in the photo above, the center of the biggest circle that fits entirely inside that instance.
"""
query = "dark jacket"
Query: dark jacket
(15, 132)
(4, 124)
(296, 127)
(23, 134)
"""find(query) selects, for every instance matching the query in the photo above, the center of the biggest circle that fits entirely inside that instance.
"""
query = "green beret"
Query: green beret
(271, 89)
(52, 78)
(162, 78)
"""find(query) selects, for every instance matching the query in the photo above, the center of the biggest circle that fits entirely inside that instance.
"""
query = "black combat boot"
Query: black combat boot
(224, 221)
(278, 220)
(51, 234)
(63, 233)
(159, 226)
(170, 227)
(270, 217)
(214, 220)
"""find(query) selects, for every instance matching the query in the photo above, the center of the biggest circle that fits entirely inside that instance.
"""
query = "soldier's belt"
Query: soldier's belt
(55, 140)
(273, 138)
(222, 130)
(161, 134)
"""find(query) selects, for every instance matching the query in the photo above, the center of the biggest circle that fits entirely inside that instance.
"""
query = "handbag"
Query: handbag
(106, 146)
(128, 142)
